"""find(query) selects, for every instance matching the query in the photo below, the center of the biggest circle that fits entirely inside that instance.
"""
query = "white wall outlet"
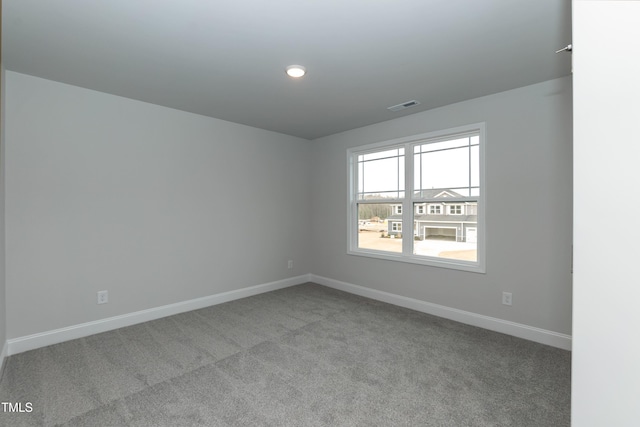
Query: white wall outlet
(507, 298)
(103, 297)
(290, 264)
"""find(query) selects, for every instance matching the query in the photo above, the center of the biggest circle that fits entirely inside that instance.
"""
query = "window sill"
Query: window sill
(451, 264)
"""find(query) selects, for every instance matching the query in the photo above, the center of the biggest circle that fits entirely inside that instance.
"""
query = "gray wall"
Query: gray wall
(529, 197)
(160, 206)
(155, 205)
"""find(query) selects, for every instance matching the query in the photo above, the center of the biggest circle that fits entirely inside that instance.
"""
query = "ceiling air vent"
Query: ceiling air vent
(403, 105)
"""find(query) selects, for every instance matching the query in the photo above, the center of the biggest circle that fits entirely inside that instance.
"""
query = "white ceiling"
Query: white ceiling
(226, 58)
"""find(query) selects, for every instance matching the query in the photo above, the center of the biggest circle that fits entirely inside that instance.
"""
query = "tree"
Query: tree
(371, 210)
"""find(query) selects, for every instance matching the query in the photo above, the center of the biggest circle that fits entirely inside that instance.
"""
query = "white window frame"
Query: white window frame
(420, 209)
(397, 209)
(396, 226)
(407, 202)
(433, 208)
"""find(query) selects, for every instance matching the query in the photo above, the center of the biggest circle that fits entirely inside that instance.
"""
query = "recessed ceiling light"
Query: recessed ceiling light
(296, 71)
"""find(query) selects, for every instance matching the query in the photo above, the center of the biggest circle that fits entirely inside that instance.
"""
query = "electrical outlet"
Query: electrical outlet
(103, 297)
(507, 298)
(290, 264)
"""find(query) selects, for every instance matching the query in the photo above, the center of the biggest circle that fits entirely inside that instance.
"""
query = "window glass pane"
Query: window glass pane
(445, 233)
(475, 166)
(417, 170)
(452, 165)
(464, 192)
(379, 227)
(381, 154)
(452, 143)
(381, 174)
(444, 169)
(401, 177)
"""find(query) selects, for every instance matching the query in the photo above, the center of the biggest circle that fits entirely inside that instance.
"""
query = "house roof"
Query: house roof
(436, 193)
(227, 59)
(446, 218)
(438, 218)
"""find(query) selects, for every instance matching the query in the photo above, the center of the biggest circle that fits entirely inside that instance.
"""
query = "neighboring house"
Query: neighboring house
(455, 220)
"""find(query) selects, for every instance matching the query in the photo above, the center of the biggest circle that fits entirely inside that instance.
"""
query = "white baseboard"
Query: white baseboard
(519, 330)
(3, 356)
(31, 342)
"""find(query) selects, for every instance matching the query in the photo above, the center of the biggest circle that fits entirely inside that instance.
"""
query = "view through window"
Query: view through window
(432, 183)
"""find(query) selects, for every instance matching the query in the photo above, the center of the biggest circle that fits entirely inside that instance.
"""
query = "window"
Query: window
(435, 209)
(455, 209)
(397, 182)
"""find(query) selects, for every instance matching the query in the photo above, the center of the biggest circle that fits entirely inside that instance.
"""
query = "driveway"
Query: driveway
(436, 248)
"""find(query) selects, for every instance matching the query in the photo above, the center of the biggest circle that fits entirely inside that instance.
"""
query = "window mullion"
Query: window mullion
(407, 204)
(354, 167)
(469, 148)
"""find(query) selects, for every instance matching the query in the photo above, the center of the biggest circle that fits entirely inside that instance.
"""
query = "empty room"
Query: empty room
(336, 213)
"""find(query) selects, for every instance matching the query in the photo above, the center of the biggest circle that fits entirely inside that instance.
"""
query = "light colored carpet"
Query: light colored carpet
(302, 356)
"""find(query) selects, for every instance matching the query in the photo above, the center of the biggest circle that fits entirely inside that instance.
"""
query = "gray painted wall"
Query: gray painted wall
(155, 205)
(529, 213)
(160, 206)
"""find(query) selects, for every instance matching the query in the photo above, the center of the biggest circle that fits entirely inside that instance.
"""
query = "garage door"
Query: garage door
(472, 235)
(441, 233)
